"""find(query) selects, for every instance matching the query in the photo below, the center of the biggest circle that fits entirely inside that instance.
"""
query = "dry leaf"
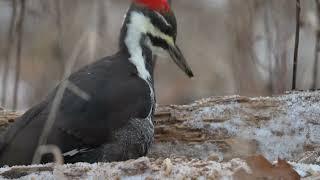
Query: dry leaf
(262, 169)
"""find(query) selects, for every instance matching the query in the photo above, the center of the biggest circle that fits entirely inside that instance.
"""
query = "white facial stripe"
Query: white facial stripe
(159, 51)
(139, 25)
(157, 33)
(145, 26)
(163, 19)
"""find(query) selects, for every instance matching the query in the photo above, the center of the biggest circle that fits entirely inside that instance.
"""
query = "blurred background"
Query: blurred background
(233, 46)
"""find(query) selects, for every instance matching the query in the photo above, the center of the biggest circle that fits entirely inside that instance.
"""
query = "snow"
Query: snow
(283, 134)
(305, 170)
(202, 151)
(141, 168)
(146, 168)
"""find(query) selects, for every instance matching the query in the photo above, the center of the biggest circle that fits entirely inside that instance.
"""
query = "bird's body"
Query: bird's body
(116, 122)
(102, 121)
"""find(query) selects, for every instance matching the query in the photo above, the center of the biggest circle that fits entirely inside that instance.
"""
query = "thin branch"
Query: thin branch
(269, 42)
(58, 8)
(10, 44)
(296, 47)
(19, 53)
(317, 48)
(77, 91)
(57, 100)
(54, 150)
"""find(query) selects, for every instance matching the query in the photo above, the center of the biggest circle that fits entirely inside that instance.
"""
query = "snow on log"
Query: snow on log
(255, 167)
(286, 126)
(207, 137)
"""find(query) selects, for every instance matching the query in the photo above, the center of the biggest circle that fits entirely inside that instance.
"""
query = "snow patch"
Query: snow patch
(282, 135)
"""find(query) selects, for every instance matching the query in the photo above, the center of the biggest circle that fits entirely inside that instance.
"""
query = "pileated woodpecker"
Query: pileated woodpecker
(116, 123)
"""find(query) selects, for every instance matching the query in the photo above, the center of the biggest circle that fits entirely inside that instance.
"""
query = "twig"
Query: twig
(317, 48)
(10, 44)
(77, 91)
(57, 100)
(19, 53)
(269, 42)
(61, 54)
(51, 149)
(98, 23)
(296, 47)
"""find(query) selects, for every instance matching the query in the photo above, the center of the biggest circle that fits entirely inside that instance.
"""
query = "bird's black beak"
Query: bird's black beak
(179, 59)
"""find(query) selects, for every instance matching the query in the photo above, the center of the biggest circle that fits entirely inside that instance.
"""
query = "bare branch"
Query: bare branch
(19, 53)
(317, 49)
(58, 98)
(296, 47)
(10, 44)
(76, 90)
(51, 149)
(58, 7)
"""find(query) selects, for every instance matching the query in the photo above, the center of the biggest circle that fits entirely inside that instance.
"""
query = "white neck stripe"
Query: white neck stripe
(135, 29)
(139, 25)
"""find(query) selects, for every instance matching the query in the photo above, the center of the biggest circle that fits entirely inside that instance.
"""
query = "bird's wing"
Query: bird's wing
(18, 144)
(114, 98)
(81, 123)
(21, 123)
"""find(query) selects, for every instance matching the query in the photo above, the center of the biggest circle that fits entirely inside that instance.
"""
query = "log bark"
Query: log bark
(286, 126)
(224, 128)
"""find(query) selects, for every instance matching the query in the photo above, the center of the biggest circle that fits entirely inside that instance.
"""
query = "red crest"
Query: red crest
(156, 5)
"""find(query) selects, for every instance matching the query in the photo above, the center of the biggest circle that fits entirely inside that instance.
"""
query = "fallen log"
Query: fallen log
(224, 128)
(255, 167)
(286, 126)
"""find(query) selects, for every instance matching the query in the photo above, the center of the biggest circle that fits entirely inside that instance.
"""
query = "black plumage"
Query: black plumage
(116, 96)
(114, 124)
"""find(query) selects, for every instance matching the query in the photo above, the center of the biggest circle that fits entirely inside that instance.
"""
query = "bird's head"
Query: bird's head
(155, 23)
